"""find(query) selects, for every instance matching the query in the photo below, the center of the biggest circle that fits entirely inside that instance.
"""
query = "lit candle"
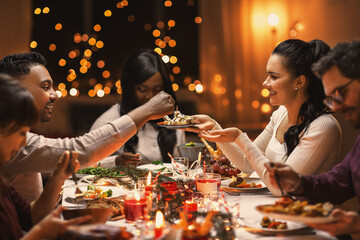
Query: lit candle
(148, 187)
(134, 207)
(208, 183)
(159, 224)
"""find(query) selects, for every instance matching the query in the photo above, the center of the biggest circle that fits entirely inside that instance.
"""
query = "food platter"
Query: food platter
(230, 190)
(253, 225)
(180, 126)
(295, 218)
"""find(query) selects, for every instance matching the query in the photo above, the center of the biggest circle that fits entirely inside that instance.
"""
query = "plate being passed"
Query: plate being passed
(226, 188)
(161, 124)
(253, 225)
(295, 218)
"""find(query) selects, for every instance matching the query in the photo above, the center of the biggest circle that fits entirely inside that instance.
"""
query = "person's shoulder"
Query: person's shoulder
(327, 119)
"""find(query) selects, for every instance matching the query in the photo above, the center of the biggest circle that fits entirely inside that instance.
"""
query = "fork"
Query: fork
(79, 195)
(277, 180)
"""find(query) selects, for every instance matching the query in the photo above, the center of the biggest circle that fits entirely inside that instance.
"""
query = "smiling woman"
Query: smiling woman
(301, 132)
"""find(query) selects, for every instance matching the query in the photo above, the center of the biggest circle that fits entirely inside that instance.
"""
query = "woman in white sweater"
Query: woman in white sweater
(144, 75)
(301, 132)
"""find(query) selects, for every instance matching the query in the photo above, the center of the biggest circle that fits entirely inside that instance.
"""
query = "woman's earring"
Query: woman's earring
(296, 89)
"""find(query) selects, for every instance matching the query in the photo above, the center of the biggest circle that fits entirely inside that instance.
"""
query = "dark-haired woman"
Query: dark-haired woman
(301, 132)
(144, 75)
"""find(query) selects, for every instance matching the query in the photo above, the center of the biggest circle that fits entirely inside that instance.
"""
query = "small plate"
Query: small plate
(295, 218)
(226, 188)
(116, 192)
(154, 167)
(254, 226)
(161, 124)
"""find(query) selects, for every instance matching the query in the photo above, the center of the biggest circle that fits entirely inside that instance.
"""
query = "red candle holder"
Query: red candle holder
(134, 208)
(190, 208)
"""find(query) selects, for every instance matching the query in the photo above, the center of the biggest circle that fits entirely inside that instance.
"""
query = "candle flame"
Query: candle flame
(159, 219)
(137, 196)
(148, 180)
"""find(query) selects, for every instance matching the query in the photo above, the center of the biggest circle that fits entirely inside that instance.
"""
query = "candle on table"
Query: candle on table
(134, 207)
(208, 183)
(159, 224)
(190, 207)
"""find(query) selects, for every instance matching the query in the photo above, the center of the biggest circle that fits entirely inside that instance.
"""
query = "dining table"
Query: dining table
(245, 202)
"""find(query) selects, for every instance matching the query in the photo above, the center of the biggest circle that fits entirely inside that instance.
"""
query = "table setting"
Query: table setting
(184, 199)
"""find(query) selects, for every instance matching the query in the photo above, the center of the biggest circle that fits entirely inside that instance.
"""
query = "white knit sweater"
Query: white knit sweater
(317, 151)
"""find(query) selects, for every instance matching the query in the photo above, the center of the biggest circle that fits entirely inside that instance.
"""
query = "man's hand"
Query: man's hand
(347, 223)
(160, 105)
(221, 136)
(126, 158)
(288, 178)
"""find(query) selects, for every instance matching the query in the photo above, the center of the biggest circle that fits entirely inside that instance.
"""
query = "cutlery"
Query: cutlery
(79, 195)
(277, 180)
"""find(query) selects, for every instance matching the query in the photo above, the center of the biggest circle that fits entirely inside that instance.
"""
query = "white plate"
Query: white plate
(153, 167)
(226, 188)
(255, 226)
(116, 191)
(296, 218)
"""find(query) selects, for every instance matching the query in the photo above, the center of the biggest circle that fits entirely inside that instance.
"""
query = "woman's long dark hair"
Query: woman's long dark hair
(298, 57)
(140, 66)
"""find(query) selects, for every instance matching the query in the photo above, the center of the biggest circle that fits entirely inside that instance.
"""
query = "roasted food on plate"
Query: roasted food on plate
(266, 222)
(299, 208)
(116, 205)
(239, 182)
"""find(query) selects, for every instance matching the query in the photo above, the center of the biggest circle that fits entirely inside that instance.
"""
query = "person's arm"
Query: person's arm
(47, 200)
(347, 222)
(319, 145)
(51, 226)
(41, 154)
(233, 152)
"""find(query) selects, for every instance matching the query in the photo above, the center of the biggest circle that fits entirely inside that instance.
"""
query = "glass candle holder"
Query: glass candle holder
(207, 183)
(135, 207)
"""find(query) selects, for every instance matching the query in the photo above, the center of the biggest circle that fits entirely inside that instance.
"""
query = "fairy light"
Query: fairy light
(273, 19)
(173, 59)
(73, 92)
(265, 92)
(265, 108)
(52, 47)
(62, 62)
(37, 11)
(97, 27)
(58, 26)
(91, 93)
(175, 87)
(156, 33)
(255, 104)
(198, 20)
(131, 18)
(46, 10)
(107, 13)
(99, 44)
(165, 58)
(168, 3)
(58, 93)
(33, 44)
(100, 93)
(199, 88)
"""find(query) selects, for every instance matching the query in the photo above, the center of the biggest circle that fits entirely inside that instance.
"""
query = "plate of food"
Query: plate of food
(298, 211)
(175, 126)
(238, 185)
(156, 167)
(179, 121)
(92, 192)
(273, 226)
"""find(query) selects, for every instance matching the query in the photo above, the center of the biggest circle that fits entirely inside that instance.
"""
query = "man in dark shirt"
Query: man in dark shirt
(340, 71)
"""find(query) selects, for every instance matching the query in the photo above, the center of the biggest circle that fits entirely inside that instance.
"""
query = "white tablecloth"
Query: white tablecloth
(247, 201)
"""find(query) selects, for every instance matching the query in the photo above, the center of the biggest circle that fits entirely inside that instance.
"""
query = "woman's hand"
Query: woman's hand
(347, 223)
(221, 136)
(203, 123)
(127, 158)
(51, 226)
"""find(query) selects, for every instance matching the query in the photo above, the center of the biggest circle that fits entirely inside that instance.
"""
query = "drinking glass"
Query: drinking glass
(181, 163)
